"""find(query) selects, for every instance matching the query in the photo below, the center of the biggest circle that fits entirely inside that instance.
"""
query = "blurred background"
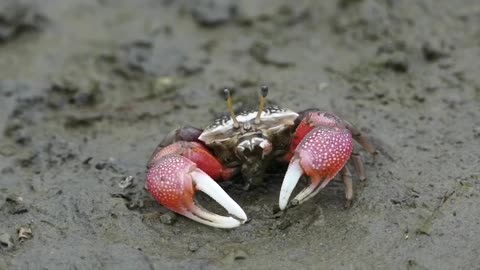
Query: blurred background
(89, 87)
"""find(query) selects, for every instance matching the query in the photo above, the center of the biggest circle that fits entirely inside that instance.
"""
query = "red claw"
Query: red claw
(200, 155)
(321, 154)
(178, 171)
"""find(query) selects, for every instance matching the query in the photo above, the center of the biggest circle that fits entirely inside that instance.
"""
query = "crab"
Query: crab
(317, 144)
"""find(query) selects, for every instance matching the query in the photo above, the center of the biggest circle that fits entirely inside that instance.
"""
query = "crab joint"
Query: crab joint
(228, 97)
(263, 96)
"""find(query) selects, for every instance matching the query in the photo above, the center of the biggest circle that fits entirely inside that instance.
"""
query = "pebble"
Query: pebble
(168, 218)
(193, 246)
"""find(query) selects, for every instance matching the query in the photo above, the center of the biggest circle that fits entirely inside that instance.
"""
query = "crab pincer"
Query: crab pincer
(325, 145)
(173, 179)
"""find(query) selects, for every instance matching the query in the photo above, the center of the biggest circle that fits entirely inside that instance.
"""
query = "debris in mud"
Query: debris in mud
(434, 49)
(168, 218)
(280, 14)
(6, 241)
(283, 224)
(234, 255)
(193, 246)
(293, 13)
(391, 46)
(112, 165)
(263, 54)
(192, 66)
(58, 151)
(82, 120)
(348, 3)
(74, 89)
(126, 182)
(15, 205)
(476, 132)
(248, 12)
(397, 62)
(166, 87)
(17, 18)
(414, 265)
(7, 170)
(7, 150)
(211, 13)
(133, 194)
(145, 57)
(427, 226)
(24, 233)
(12, 127)
(132, 199)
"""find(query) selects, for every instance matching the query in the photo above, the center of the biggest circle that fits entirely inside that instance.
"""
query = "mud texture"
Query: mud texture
(89, 87)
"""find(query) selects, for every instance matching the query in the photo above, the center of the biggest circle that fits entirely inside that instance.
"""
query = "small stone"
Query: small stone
(168, 218)
(193, 246)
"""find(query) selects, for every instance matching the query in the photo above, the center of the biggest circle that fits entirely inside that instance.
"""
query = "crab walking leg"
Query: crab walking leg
(347, 181)
(321, 154)
(173, 182)
(358, 164)
(361, 139)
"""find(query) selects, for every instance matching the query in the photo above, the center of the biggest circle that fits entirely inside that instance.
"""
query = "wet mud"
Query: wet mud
(89, 88)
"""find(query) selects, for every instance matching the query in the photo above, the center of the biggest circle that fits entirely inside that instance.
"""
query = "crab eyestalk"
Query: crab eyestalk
(229, 99)
(263, 96)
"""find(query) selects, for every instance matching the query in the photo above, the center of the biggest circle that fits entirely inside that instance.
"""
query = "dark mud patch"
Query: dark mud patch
(17, 18)
(85, 99)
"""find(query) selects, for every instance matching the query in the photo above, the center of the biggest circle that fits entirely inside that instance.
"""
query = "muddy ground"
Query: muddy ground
(88, 88)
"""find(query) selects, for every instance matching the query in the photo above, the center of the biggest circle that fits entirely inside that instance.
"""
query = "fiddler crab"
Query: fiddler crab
(317, 144)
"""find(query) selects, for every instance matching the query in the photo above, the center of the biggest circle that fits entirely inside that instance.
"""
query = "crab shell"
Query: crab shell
(252, 142)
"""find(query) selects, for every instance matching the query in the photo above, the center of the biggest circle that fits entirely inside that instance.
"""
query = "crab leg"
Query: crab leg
(181, 169)
(347, 181)
(358, 165)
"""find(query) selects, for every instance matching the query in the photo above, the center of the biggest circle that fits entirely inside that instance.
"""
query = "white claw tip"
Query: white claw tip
(292, 176)
(206, 184)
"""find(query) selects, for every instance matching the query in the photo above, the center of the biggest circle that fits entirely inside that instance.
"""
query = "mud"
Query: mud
(88, 89)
